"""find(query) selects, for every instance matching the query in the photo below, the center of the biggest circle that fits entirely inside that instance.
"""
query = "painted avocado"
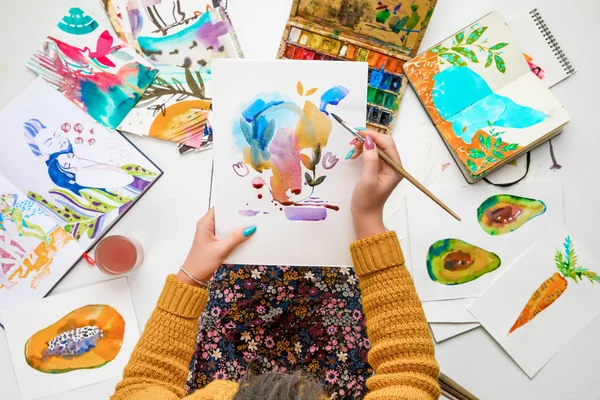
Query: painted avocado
(504, 213)
(87, 337)
(453, 262)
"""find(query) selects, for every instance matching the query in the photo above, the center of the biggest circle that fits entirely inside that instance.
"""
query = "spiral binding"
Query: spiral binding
(560, 55)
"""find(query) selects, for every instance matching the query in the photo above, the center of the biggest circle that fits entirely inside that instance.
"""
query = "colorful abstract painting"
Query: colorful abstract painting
(180, 39)
(280, 163)
(77, 338)
(479, 92)
(92, 68)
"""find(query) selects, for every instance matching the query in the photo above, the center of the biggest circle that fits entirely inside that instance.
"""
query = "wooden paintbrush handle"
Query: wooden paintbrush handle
(412, 180)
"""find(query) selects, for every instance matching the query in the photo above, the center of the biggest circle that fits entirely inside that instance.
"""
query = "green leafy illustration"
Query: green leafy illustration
(498, 155)
(490, 59)
(500, 65)
(474, 153)
(499, 46)
(491, 150)
(459, 37)
(472, 166)
(490, 160)
(320, 180)
(439, 49)
(568, 267)
(476, 34)
(498, 143)
(453, 59)
(308, 178)
(511, 147)
(467, 53)
(487, 142)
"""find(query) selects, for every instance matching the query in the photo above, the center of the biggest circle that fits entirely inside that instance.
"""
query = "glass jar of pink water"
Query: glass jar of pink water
(118, 255)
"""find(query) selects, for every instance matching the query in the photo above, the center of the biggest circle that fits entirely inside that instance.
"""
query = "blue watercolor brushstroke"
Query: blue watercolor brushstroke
(463, 98)
(257, 107)
(332, 97)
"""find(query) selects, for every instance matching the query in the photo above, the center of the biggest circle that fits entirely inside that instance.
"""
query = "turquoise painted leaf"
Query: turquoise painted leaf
(490, 59)
(480, 138)
(476, 34)
(246, 130)
(454, 59)
(498, 155)
(500, 63)
(487, 142)
(467, 53)
(499, 46)
(498, 143)
(490, 160)
(474, 153)
(459, 37)
(439, 49)
(510, 147)
(472, 166)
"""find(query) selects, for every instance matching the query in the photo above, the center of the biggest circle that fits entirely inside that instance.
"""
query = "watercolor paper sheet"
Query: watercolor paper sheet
(542, 301)
(444, 331)
(35, 252)
(82, 174)
(279, 158)
(106, 319)
(454, 311)
(180, 38)
(480, 94)
(452, 260)
(92, 68)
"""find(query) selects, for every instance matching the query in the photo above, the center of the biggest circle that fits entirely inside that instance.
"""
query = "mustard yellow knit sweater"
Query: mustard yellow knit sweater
(401, 354)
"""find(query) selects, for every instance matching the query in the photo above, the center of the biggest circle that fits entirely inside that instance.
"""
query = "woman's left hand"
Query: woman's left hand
(207, 252)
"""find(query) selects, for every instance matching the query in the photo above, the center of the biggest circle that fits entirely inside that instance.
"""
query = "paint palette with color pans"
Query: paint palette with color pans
(365, 36)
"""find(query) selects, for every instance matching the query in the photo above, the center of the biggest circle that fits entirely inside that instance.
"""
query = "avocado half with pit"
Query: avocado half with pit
(88, 337)
(454, 262)
(504, 213)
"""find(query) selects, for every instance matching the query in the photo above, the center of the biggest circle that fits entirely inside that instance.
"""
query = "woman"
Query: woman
(402, 351)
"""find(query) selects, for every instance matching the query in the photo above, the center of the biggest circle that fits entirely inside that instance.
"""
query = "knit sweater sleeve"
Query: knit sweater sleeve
(158, 368)
(402, 353)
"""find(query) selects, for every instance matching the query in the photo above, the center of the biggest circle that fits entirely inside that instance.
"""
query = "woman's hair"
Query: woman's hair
(279, 386)
(32, 128)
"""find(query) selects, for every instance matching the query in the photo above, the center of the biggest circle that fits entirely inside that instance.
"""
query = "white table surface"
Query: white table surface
(472, 359)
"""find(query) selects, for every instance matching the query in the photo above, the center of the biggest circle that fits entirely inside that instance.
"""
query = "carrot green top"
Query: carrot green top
(567, 264)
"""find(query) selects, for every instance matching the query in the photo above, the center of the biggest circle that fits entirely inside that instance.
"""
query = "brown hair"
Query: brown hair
(279, 386)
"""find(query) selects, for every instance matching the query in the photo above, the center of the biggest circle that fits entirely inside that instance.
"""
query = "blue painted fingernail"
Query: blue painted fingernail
(249, 231)
(350, 154)
(360, 128)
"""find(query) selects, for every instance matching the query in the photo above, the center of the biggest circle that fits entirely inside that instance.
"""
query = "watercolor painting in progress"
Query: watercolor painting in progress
(546, 297)
(452, 260)
(479, 91)
(282, 167)
(92, 68)
(78, 338)
(181, 45)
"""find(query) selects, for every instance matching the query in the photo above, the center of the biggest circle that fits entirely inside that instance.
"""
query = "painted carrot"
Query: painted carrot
(552, 288)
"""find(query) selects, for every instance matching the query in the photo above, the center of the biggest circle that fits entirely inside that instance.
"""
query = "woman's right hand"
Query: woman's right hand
(375, 185)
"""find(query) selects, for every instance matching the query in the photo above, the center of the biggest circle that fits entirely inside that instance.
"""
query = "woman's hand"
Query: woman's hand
(208, 252)
(375, 185)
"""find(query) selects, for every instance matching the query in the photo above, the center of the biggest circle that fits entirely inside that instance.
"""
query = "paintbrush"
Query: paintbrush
(398, 168)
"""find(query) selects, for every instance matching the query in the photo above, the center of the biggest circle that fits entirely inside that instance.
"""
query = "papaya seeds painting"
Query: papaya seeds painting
(76, 339)
(280, 158)
(542, 301)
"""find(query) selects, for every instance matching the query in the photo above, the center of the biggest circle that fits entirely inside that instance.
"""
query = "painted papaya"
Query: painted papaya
(88, 337)
(453, 262)
(504, 213)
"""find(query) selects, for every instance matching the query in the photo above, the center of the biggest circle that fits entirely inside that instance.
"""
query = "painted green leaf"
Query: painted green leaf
(480, 138)
(459, 37)
(319, 180)
(487, 142)
(490, 59)
(476, 34)
(498, 143)
(439, 49)
(498, 155)
(510, 147)
(500, 63)
(490, 159)
(308, 178)
(467, 53)
(474, 153)
(499, 46)
(454, 59)
(472, 166)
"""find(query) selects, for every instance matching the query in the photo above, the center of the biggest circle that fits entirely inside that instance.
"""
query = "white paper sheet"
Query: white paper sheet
(445, 311)
(535, 342)
(285, 236)
(23, 321)
(428, 223)
(443, 332)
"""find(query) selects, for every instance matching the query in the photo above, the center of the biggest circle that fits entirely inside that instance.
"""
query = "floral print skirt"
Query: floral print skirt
(280, 318)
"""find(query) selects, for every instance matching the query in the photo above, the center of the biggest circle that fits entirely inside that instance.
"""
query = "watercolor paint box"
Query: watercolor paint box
(383, 34)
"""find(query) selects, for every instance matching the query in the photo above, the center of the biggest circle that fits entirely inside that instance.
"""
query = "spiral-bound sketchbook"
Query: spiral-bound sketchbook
(544, 55)
(479, 92)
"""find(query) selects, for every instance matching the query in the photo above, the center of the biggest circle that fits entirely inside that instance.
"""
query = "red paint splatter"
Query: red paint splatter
(260, 196)
(258, 182)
